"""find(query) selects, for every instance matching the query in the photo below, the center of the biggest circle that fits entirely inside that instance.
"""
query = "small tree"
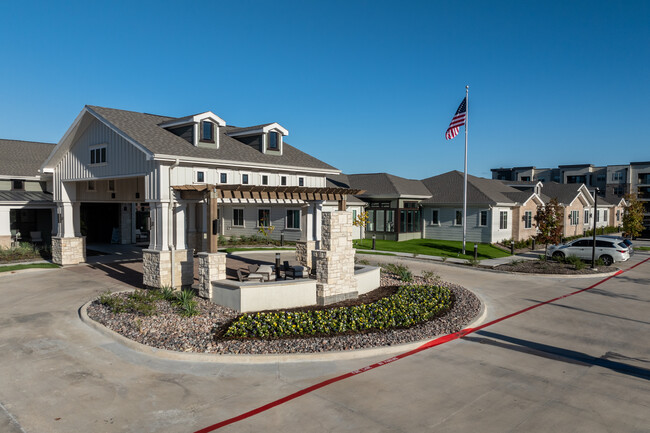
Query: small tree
(548, 221)
(633, 216)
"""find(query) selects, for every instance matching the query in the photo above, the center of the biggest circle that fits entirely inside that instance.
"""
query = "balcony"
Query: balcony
(644, 179)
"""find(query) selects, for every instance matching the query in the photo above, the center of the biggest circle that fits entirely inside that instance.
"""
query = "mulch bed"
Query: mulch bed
(169, 330)
(552, 267)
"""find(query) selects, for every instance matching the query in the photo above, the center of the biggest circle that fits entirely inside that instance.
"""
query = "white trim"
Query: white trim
(257, 220)
(286, 219)
(461, 218)
(193, 119)
(260, 130)
(437, 223)
(195, 177)
(249, 165)
(243, 217)
(19, 177)
(487, 217)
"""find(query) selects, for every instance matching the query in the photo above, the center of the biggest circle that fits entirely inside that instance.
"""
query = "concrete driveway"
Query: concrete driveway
(580, 364)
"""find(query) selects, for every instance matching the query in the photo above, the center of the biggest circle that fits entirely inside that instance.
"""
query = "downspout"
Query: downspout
(171, 224)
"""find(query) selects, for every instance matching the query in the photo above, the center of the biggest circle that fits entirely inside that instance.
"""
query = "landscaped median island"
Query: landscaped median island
(400, 311)
(568, 266)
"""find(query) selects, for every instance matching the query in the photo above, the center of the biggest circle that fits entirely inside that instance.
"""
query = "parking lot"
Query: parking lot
(578, 364)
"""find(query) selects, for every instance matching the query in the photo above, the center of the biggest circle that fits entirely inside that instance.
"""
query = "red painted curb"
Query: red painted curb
(435, 342)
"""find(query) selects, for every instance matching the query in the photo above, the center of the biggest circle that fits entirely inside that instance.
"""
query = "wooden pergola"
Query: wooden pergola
(258, 192)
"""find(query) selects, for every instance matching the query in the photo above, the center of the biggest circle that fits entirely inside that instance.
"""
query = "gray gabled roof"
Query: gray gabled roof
(387, 185)
(144, 129)
(565, 193)
(447, 188)
(342, 181)
(22, 158)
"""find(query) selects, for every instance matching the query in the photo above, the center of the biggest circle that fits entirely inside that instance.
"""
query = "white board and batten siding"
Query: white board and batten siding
(122, 158)
(187, 175)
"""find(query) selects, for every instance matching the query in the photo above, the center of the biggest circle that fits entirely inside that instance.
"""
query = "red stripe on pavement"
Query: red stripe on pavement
(435, 342)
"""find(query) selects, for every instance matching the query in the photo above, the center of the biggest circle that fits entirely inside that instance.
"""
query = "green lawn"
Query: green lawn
(434, 247)
(642, 248)
(27, 266)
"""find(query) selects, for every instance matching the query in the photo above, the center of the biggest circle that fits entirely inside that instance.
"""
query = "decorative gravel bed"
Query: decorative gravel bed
(169, 330)
(551, 267)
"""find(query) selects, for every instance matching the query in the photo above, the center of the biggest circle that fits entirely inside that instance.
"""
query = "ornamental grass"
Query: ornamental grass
(410, 305)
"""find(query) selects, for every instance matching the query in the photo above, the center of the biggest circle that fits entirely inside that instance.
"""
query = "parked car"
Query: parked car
(607, 250)
(626, 241)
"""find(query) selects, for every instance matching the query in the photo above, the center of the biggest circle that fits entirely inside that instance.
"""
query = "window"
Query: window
(98, 155)
(525, 178)
(238, 217)
(618, 190)
(200, 176)
(618, 215)
(301, 181)
(283, 180)
(207, 131)
(605, 215)
(503, 220)
(263, 217)
(381, 220)
(410, 204)
(223, 178)
(111, 185)
(435, 216)
(528, 219)
(483, 218)
(597, 216)
(354, 215)
(273, 141)
(244, 179)
(91, 185)
(459, 218)
(293, 219)
(409, 221)
(601, 177)
(265, 179)
(587, 216)
(574, 217)
(17, 185)
(617, 175)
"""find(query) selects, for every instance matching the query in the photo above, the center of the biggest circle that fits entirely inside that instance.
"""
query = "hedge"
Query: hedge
(410, 305)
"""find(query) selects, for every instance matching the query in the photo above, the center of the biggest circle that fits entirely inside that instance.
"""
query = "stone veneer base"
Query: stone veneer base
(326, 300)
(68, 251)
(212, 267)
(156, 268)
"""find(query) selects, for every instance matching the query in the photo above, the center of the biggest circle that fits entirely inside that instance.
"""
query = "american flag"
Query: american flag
(457, 121)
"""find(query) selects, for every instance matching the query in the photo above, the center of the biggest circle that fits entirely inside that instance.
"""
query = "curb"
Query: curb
(259, 359)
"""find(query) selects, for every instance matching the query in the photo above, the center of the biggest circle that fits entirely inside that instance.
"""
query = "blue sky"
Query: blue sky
(367, 86)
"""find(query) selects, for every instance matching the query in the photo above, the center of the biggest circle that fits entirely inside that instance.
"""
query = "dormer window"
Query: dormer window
(17, 185)
(244, 179)
(273, 141)
(207, 131)
(265, 179)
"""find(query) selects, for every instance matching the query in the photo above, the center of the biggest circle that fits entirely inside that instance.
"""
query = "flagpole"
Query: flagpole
(465, 177)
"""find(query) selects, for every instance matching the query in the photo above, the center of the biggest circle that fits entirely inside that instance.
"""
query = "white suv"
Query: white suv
(607, 250)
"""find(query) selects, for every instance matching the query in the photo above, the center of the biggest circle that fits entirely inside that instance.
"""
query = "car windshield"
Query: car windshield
(622, 245)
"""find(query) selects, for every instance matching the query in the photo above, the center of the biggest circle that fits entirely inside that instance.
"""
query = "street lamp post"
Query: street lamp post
(593, 246)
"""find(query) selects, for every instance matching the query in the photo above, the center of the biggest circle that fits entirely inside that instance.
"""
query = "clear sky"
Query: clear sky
(367, 86)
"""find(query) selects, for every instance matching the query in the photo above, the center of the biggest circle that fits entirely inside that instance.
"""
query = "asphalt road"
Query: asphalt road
(580, 364)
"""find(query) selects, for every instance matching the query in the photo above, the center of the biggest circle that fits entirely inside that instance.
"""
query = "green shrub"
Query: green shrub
(575, 261)
(167, 293)
(184, 296)
(189, 308)
(402, 271)
(472, 262)
(431, 277)
(412, 304)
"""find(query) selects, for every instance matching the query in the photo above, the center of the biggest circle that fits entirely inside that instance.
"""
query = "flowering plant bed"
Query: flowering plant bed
(166, 328)
(410, 305)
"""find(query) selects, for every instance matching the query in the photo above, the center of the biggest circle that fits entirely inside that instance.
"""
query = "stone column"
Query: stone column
(68, 248)
(212, 267)
(334, 263)
(304, 251)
